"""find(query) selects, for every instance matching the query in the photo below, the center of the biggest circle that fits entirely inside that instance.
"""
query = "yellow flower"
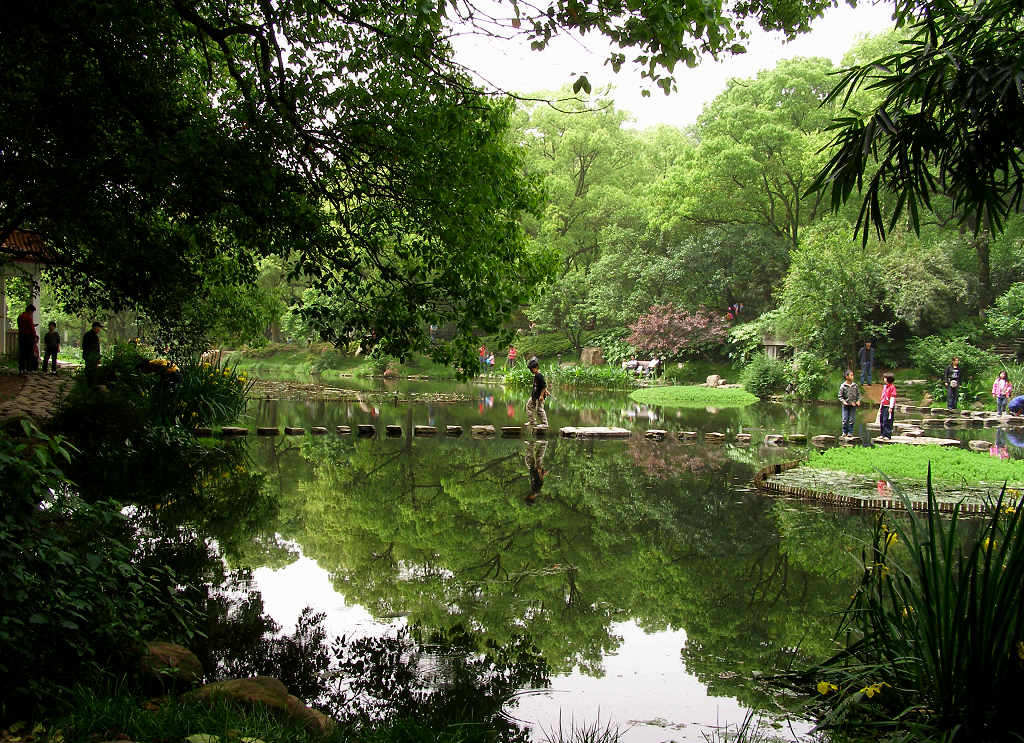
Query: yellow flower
(173, 368)
(891, 539)
(1020, 650)
(989, 544)
(873, 689)
(825, 688)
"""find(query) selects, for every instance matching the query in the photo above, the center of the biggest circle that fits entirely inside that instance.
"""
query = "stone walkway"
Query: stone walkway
(37, 398)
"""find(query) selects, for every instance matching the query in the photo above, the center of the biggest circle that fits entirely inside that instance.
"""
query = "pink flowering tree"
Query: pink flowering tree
(669, 331)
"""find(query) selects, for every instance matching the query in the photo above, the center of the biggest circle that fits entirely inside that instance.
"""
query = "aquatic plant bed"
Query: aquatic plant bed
(847, 488)
(694, 396)
(265, 389)
(949, 465)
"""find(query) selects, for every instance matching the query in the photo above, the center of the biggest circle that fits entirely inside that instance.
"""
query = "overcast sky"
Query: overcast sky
(513, 66)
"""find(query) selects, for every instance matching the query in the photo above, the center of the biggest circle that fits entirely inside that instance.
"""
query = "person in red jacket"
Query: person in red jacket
(26, 338)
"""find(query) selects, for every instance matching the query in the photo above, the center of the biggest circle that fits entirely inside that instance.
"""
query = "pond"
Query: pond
(645, 581)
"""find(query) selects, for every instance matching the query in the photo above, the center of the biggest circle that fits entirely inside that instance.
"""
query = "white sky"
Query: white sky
(511, 65)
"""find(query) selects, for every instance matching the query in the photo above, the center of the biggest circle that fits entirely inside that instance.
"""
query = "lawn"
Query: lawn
(911, 462)
(694, 397)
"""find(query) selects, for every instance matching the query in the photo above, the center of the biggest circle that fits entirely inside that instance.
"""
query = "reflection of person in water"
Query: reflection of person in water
(535, 451)
(998, 449)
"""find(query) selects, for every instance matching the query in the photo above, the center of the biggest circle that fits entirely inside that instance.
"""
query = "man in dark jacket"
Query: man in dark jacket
(91, 352)
(954, 381)
(866, 357)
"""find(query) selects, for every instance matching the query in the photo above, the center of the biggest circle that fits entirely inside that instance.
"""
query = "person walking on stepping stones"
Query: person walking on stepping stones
(866, 357)
(954, 381)
(849, 398)
(887, 407)
(535, 407)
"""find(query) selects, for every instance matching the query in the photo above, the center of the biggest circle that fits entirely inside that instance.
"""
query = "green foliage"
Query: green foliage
(613, 345)
(934, 353)
(1006, 319)
(764, 376)
(947, 465)
(934, 631)
(79, 589)
(693, 396)
(577, 375)
(809, 374)
(745, 339)
(695, 371)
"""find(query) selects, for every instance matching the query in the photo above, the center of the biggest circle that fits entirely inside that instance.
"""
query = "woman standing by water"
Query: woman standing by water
(1002, 388)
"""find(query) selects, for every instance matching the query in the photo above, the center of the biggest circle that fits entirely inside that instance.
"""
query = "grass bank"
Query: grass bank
(302, 362)
(694, 397)
(911, 462)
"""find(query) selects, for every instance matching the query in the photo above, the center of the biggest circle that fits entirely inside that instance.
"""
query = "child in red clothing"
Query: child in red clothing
(887, 406)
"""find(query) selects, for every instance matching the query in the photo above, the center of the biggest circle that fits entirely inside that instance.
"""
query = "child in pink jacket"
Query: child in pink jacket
(1002, 388)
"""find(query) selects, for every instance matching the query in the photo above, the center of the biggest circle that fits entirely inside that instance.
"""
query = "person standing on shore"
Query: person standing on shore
(887, 407)
(954, 381)
(91, 352)
(849, 398)
(866, 357)
(510, 360)
(535, 407)
(1002, 388)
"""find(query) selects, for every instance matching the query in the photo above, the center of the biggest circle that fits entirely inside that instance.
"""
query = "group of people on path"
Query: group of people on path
(953, 381)
(487, 359)
(28, 345)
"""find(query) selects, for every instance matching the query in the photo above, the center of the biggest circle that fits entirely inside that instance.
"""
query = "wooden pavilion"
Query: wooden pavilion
(23, 254)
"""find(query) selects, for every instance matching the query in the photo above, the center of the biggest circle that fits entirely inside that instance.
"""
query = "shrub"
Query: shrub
(935, 629)
(764, 376)
(1006, 318)
(577, 375)
(809, 375)
(933, 354)
(672, 331)
(613, 345)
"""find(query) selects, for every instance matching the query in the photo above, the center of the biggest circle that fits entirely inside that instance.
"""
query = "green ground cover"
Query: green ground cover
(911, 462)
(302, 362)
(694, 397)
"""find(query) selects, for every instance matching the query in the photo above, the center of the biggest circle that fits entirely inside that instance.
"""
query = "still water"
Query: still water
(647, 580)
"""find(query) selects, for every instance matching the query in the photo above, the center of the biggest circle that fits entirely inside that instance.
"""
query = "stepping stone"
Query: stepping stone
(823, 441)
(774, 439)
(318, 430)
(480, 431)
(714, 437)
(266, 431)
(234, 431)
(540, 431)
(294, 431)
(979, 445)
(850, 440)
(688, 435)
(953, 422)
(424, 431)
(743, 438)
(393, 432)
(594, 432)
(917, 441)
(796, 438)
(943, 411)
(511, 432)
(202, 432)
(343, 430)
(1014, 422)
(655, 434)
(453, 430)
(872, 426)
(933, 422)
(367, 430)
(993, 423)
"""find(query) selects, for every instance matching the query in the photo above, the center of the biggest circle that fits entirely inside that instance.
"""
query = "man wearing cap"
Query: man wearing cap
(26, 338)
(91, 351)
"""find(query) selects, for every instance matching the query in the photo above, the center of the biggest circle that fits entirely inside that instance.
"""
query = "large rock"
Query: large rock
(166, 661)
(712, 381)
(823, 441)
(591, 356)
(774, 439)
(979, 445)
(270, 693)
